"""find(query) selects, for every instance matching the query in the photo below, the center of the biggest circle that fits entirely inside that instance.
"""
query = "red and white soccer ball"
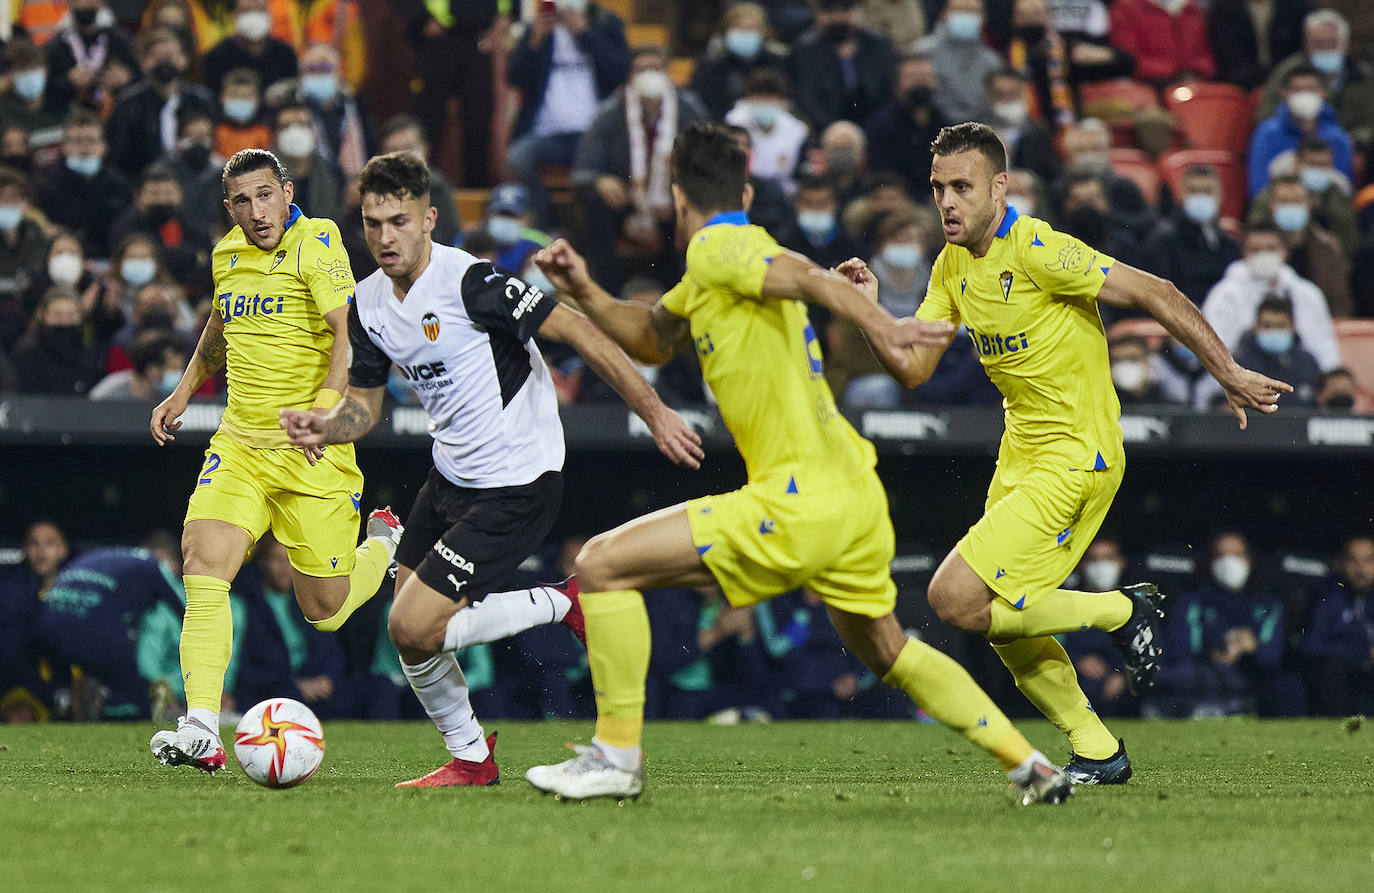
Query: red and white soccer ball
(279, 743)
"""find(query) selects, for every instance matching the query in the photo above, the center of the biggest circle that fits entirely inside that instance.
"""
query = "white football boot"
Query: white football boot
(192, 744)
(589, 774)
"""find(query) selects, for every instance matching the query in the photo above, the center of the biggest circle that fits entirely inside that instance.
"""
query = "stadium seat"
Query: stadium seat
(1172, 166)
(1115, 99)
(471, 204)
(1356, 340)
(1136, 166)
(642, 35)
(680, 69)
(1145, 327)
(1213, 116)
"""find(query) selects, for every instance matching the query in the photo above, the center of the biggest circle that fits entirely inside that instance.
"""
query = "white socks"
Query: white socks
(503, 614)
(443, 692)
(627, 759)
(207, 718)
(1022, 773)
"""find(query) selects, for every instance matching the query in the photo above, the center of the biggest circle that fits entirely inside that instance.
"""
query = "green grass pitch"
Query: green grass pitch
(1239, 805)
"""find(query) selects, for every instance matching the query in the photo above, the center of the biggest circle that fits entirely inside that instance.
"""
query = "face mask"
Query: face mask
(1274, 341)
(168, 382)
(651, 83)
(504, 230)
(137, 271)
(1264, 265)
(1200, 207)
(1170, 6)
(84, 18)
(1129, 375)
(1101, 575)
(1305, 105)
(1327, 61)
(18, 162)
(1093, 162)
(1340, 401)
(164, 73)
(964, 24)
(1086, 223)
(1231, 571)
(841, 161)
(1182, 354)
(902, 255)
(816, 223)
(1023, 204)
(62, 340)
(240, 111)
(64, 268)
(572, 5)
(159, 214)
(917, 97)
(29, 85)
(535, 278)
(196, 156)
(837, 33)
(321, 88)
(743, 42)
(84, 167)
(1011, 113)
(1291, 218)
(160, 318)
(764, 114)
(296, 141)
(253, 25)
(10, 216)
(1316, 179)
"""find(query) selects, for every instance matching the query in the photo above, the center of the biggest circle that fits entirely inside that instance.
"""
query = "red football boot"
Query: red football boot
(574, 619)
(460, 773)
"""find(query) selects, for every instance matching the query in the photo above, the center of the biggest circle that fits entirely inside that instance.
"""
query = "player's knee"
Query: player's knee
(412, 636)
(593, 566)
(954, 607)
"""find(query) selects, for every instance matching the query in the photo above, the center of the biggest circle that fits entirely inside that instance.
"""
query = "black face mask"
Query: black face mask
(1031, 34)
(837, 33)
(61, 341)
(84, 18)
(164, 73)
(18, 162)
(196, 156)
(159, 214)
(917, 98)
(1087, 224)
(1340, 401)
(155, 319)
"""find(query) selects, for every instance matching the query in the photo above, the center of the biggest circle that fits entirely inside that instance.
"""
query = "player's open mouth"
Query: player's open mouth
(388, 257)
(263, 230)
(951, 224)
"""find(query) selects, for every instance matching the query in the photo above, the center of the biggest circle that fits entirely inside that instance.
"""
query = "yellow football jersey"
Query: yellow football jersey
(273, 305)
(762, 360)
(1030, 307)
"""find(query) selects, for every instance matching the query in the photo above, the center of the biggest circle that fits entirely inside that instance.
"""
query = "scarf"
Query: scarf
(649, 164)
(1056, 64)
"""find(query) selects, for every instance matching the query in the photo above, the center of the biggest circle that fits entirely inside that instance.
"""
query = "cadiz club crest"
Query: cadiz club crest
(430, 323)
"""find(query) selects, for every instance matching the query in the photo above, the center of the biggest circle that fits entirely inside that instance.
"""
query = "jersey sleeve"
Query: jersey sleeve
(370, 366)
(324, 266)
(732, 259)
(1062, 266)
(675, 300)
(502, 302)
(938, 304)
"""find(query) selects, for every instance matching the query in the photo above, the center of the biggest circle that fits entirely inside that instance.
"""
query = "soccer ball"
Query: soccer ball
(279, 743)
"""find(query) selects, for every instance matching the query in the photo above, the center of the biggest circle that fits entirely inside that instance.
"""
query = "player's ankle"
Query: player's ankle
(625, 758)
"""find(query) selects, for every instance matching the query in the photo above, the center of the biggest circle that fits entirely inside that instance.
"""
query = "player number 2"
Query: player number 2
(211, 463)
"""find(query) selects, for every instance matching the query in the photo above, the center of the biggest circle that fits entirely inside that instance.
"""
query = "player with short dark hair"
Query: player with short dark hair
(461, 331)
(813, 512)
(1028, 297)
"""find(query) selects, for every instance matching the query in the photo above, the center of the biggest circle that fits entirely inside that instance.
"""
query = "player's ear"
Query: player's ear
(999, 185)
(747, 198)
(431, 217)
(290, 189)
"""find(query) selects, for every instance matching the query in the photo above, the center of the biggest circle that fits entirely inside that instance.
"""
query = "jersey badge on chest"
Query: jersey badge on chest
(1006, 279)
(430, 323)
(276, 261)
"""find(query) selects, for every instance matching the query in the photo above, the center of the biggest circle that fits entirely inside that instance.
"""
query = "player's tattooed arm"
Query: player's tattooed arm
(213, 349)
(350, 420)
(355, 415)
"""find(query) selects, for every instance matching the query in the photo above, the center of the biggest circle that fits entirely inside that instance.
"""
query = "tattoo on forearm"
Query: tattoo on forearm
(212, 351)
(350, 421)
(672, 331)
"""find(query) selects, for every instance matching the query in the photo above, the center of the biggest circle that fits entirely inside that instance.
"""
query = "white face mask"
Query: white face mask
(1305, 104)
(1023, 204)
(64, 268)
(1129, 375)
(1231, 571)
(651, 83)
(573, 5)
(1264, 265)
(1101, 575)
(296, 141)
(1013, 113)
(253, 25)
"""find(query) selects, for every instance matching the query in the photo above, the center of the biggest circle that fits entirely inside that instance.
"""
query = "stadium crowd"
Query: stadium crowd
(1224, 145)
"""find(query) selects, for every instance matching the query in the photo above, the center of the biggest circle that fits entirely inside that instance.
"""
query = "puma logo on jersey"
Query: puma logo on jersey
(457, 583)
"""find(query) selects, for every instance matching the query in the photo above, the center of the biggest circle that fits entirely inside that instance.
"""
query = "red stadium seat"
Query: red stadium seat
(1172, 166)
(1356, 340)
(1213, 116)
(1137, 167)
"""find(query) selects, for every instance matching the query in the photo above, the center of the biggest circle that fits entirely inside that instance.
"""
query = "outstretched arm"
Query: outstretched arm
(1126, 286)
(209, 357)
(355, 415)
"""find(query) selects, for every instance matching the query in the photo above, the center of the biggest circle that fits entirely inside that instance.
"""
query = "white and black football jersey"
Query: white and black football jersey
(462, 339)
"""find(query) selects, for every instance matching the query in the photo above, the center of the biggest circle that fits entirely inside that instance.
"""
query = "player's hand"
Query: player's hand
(857, 272)
(563, 266)
(165, 417)
(676, 439)
(1250, 390)
(305, 429)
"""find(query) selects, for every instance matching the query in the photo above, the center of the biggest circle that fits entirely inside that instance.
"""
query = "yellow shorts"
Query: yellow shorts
(312, 510)
(1038, 521)
(761, 542)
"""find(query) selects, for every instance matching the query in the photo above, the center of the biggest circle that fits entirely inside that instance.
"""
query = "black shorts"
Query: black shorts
(464, 542)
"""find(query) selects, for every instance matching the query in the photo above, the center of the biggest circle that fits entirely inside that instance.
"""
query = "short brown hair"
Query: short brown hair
(245, 161)
(972, 137)
(402, 174)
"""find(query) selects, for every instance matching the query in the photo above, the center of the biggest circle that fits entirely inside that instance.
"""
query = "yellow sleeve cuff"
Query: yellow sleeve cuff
(327, 398)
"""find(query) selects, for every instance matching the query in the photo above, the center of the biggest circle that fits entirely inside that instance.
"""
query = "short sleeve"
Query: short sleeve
(675, 301)
(731, 258)
(938, 304)
(370, 366)
(1062, 266)
(502, 302)
(324, 266)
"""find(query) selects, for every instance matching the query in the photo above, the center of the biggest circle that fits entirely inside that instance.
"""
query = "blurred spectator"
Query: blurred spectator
(839, 69)
(1054, 54)
(1095, 659)
(52, 358)
(621, 171)
(66, 266)
(1339, 644)
(776, 135)
(569, 59)
(771, 205)
(342, 122)
(21, 587)
(84, 48)
(158, 307)
(14, 148)
(901, 130)
(27, 103)
(1026, 193)
(1250, 38)
(883, 193)
(740, 47)
(158, 358)
(1272, 348)
(83, 193)
(451, 42)
(1188, 247)
(318, 187)
(678, 382)
(198, 172)
(818, 675)
(1329, 190)
(1313, 251)
(842, 158)
(405, 133)
(251, 45)
(903, 22)
(1336, 390)
(157, 211)
(814, 229)
(23, 252)
(1168, 39)
(143, 123)
(1029, 143)
(187, 19)
(962, 60)
(507, 223)
(1086, 145)
(1305, 112)
(1347, 78)
(241, 126)
(1133, 363)
(1088, 214)
(1232, 304)
(698, 637)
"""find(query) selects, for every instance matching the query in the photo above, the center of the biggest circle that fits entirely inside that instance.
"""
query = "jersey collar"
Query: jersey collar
(734, 218)
(292, 217)
(1005, 229)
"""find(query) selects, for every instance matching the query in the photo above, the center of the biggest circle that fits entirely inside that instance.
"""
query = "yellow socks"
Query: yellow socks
(1060, 611)
(207, 639)
(1046, 677)
(946, 692)
(618, 652)
(370, 561)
